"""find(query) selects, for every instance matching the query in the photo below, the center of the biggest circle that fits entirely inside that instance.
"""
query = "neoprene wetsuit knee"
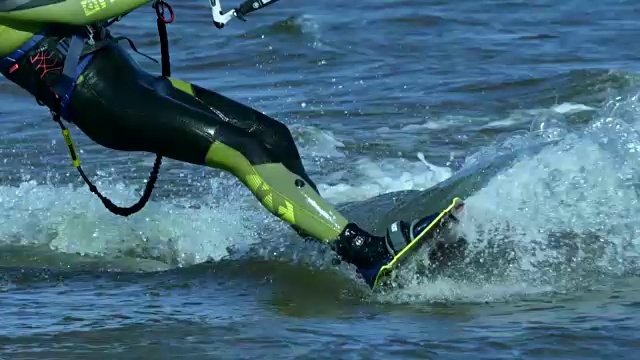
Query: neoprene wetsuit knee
(120, 106)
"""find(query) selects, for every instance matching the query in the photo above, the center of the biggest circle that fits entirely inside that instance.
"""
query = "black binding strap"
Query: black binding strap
(160, 7)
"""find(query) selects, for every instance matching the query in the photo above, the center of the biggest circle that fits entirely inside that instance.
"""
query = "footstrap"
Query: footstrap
(396, 240)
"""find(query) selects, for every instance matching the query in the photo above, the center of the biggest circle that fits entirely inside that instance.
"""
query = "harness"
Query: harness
(78, 49)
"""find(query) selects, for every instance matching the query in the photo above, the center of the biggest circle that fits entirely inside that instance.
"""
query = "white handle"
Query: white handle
(220, 19)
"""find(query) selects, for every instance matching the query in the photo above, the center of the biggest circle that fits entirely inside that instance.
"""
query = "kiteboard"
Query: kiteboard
(425, 237)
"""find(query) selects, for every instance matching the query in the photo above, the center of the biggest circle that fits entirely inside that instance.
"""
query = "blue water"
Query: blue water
(381, 96)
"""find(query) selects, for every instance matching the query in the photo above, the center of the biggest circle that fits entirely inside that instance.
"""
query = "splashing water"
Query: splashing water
(556, 221)
(71, 220)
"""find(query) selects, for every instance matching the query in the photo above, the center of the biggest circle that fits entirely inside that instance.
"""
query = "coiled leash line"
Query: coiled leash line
(160, 8)
(122, 211)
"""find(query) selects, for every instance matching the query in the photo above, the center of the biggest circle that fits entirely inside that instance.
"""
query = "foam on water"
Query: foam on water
(514, 118)
(448, 290)
(315, 142)
(554, 114)
(568, 108)
(366, 178)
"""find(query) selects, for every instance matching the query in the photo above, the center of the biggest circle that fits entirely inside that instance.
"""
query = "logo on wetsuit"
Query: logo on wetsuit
(91, 7)
(45, 61)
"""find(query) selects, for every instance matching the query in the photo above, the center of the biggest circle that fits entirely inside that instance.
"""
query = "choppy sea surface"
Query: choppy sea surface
(381, 96)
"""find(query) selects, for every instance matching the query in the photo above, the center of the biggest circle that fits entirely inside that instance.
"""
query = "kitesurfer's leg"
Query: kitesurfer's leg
(355, 244)
(120, 106)
(272, 133)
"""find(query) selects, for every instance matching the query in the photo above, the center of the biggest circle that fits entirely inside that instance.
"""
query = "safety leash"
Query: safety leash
(162, 21)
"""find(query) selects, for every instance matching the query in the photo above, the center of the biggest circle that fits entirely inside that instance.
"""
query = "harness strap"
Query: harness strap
(134, 48)
(72, 58)
(13, 58)
(72, 69)
(71, 84)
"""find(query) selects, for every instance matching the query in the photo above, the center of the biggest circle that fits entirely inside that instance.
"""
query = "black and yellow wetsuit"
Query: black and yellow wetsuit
(120, 106)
